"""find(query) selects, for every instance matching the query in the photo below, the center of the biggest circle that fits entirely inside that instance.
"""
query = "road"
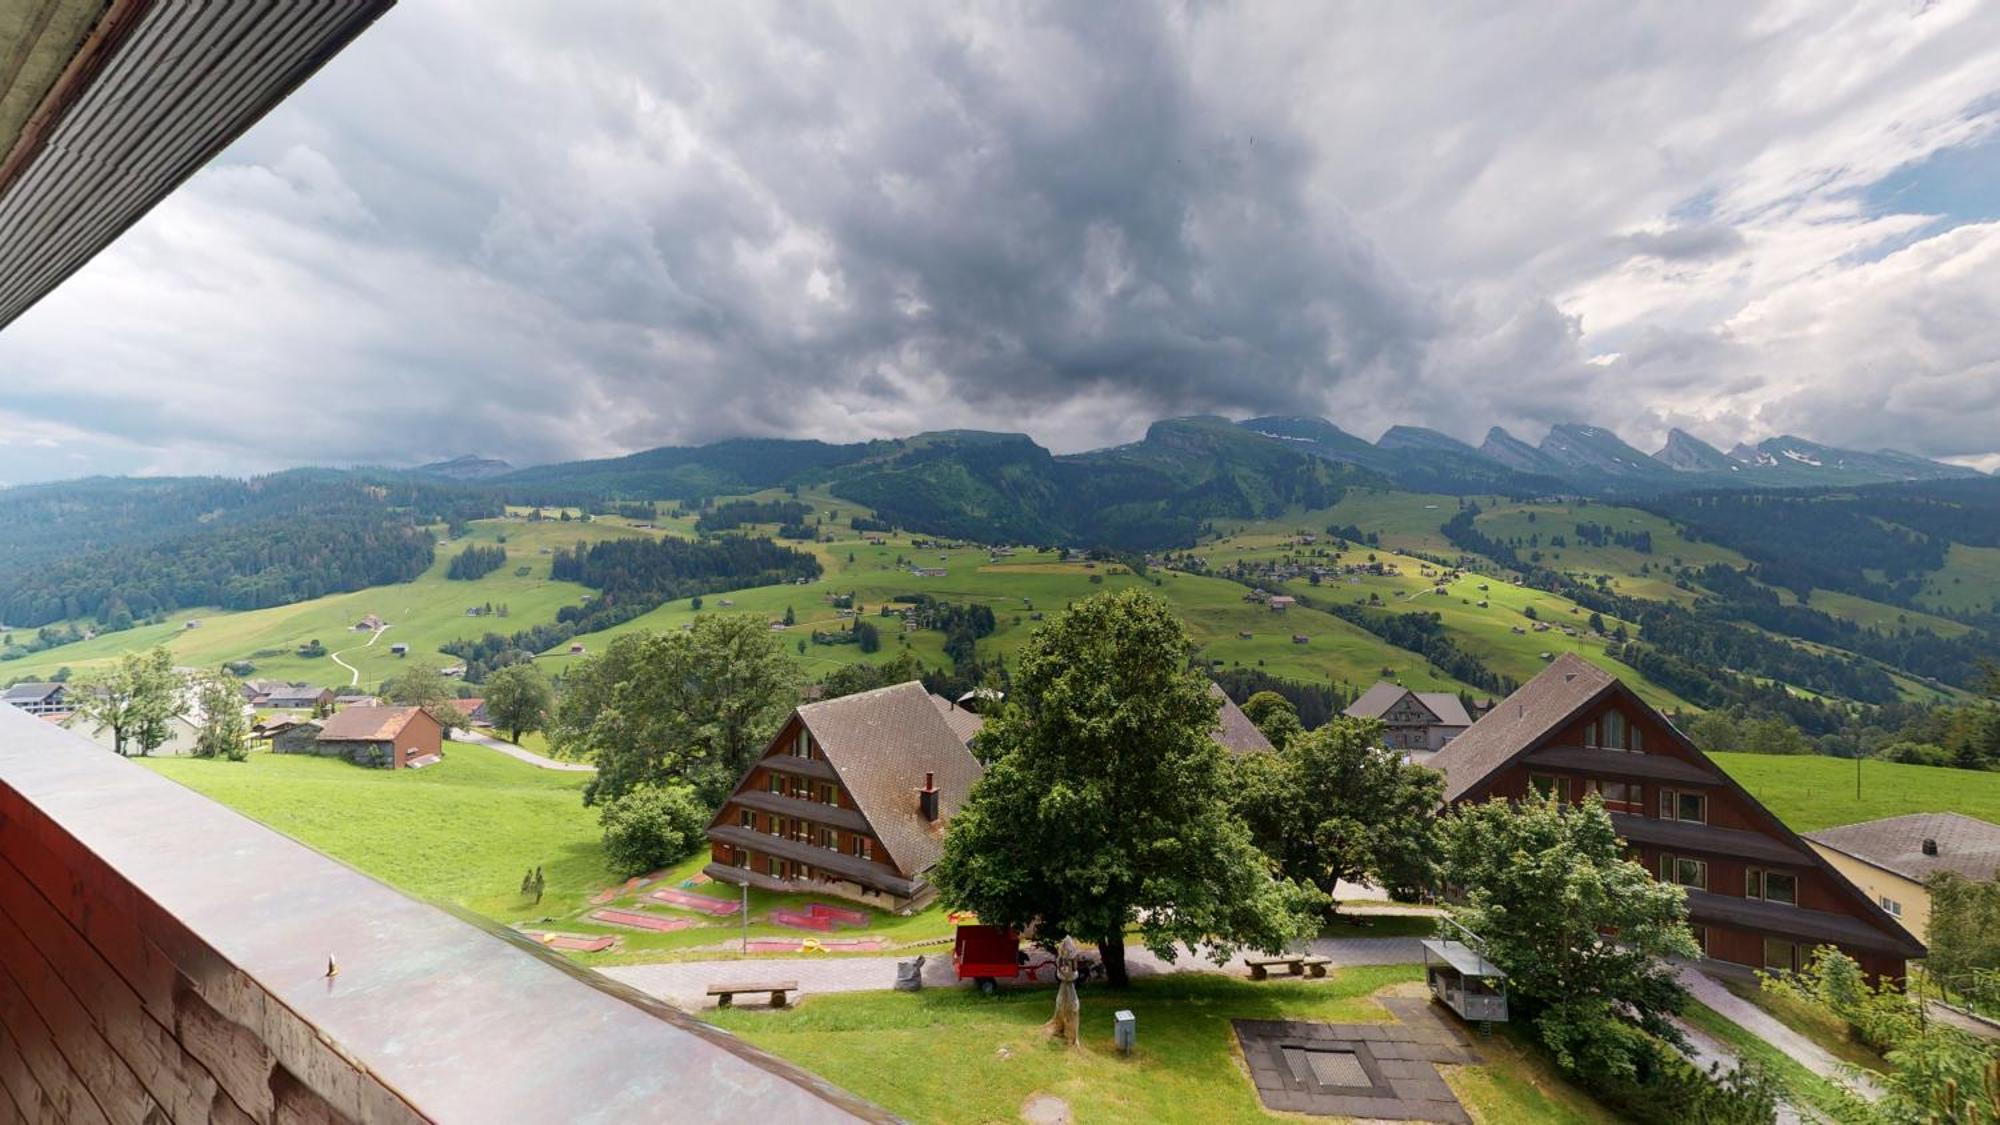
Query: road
(515, 752)
(353, 673)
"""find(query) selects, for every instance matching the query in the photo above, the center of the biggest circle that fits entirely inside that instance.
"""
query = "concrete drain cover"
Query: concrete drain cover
(1328, 1068)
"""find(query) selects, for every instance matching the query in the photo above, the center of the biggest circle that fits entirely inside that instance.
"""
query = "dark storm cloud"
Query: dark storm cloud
(541, 231)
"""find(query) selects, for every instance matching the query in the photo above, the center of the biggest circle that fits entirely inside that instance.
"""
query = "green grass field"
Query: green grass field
(1809, 792)
(957, 1056)
(1970, 580)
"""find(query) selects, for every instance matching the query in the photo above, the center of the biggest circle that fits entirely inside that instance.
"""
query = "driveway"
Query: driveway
(1764, 1026)
(529, 756)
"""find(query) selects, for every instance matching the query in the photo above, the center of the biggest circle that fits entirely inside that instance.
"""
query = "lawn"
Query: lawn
(1809, 792)
(954, 1055)
(463, 831)
(1969, 581)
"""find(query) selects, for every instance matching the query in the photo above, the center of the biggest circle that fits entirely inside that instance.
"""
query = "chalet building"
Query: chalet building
(39, 698)
(1892, 859)
(393, 737)
(1757, 894)
(851, 797)
(1417, 722)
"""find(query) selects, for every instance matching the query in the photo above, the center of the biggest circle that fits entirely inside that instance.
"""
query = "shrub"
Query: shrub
(652, 826)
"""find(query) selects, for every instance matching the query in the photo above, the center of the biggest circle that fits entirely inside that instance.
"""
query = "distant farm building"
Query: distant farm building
(296, 697)
(1418, 722)
(392, 737)
(399, 650)
(369, 624)
(1279, 603)
(38, 698)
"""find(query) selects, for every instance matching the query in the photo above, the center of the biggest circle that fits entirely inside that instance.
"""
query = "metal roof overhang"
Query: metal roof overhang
(155, 90)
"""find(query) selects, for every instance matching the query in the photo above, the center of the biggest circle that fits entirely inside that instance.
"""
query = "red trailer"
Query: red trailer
(986, 954)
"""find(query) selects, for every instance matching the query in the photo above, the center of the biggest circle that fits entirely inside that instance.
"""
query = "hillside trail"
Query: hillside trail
(353, 673)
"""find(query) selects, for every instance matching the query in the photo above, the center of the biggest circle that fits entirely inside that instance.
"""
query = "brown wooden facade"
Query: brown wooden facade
(1757, 894)
(792, 825)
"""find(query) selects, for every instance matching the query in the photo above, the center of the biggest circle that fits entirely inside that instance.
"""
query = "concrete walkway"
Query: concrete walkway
(1706, 1051)
(682, 983)
(528, 756)
(1764, 1026)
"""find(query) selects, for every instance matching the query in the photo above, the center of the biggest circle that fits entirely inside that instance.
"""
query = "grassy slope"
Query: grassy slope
(1803, 1088)
(1810, 792)
(1970, 580)
(463, 831)
(422, 614)
(958, 1056)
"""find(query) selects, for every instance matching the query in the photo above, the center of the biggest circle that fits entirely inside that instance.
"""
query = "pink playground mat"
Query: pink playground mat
(577, 943)
(704, 904)
(638, 921)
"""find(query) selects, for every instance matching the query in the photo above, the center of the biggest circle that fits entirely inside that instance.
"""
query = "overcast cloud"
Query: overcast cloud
(540, 231)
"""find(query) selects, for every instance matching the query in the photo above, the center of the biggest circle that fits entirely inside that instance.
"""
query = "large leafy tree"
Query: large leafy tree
(1275, 716)
(1332, 805)
(691, 707)
(1105, 806)
(423, 685)
(1545, 883)
(135, 699)
(222, 731)
(518, 699)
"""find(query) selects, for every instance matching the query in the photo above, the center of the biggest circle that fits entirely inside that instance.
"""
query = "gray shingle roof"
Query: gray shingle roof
(1966, 845)
(881, 743)
(1537, 710)
(1234, 730)
(29, 692)
(1376, 701)
(964, 722)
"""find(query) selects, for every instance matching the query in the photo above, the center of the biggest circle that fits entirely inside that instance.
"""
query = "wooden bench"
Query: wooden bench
(777, 989)
(1300, 966)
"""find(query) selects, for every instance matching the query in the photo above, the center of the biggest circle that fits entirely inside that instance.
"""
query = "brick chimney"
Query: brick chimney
(927, 798)
(1930, 846)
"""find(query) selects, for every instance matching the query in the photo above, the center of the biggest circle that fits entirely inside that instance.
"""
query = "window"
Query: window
(1691, 873)
(1618, 796)
(1687, 872)
(861, 846)
(1590, 735)
(1543, 784)
(1771, 886)
(1636, 741)
(802, 745)
(1700, 937)
(777, 782)
(1894, 908)
(1781, 955)
(1678, 805)
(748, 818)
(1614, 730)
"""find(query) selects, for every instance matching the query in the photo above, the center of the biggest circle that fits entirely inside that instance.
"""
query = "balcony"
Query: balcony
(1702, 839)
(853, 868)
(164, 958)
(1709, 908)
(1617, 764)
(817, 812)
(817, 768)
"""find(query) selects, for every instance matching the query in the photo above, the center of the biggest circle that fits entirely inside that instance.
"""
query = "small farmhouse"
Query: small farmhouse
(290, 736)
(38, 698)
(394, 737)
(1757, 894)
(474, 711)
(851, 797)
(1892, 858)
(296, 697)
(1417, 722)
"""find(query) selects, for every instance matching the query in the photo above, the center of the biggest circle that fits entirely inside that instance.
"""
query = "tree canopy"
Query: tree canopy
(1544, 881)
(1104, 805)
(518, 699)
(693, 706)
(1333, 804)
(134, 699)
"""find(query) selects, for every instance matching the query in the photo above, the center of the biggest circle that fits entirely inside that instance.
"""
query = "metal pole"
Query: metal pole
(746, 913)
(1857, 773)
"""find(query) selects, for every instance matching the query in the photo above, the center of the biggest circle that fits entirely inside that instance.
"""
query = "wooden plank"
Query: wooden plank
(23, 1092)
(60, 1085)
(182, 1085)
(111, 1082)
(234, 1054)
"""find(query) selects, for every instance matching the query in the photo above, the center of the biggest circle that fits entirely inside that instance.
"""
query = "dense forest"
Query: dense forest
(475, 562)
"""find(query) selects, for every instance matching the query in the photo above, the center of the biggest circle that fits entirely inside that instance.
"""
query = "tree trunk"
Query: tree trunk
(1111, 952)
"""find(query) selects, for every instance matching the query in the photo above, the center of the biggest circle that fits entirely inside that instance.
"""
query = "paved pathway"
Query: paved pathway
(683, 982)
(353, 673)
(1705, 1051)
(1952, 1017)
(1764, 1026)
(528, 756)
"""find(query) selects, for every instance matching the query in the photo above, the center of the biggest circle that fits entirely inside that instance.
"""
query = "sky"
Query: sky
(543, 231)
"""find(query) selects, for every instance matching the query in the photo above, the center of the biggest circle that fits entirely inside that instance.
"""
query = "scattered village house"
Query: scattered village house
(39, 698)
(1891, 859)
(852, 795)
(1416, 722)
(1757, 893)
(182, 733)
(474, 711)
(296, 697)
(395, 737)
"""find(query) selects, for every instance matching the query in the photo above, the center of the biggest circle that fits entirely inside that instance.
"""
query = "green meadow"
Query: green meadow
(1809, 792)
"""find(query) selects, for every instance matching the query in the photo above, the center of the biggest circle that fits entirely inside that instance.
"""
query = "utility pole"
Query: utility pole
(1857, 773)
(746, 912)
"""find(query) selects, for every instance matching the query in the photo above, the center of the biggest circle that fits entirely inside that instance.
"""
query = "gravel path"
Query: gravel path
(528, 756)
(1764, 1026)
(683, 982)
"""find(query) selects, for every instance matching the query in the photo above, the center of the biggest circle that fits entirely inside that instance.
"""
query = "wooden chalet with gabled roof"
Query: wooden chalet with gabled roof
(1757, 893)
(1415, 721)
(851, 797)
